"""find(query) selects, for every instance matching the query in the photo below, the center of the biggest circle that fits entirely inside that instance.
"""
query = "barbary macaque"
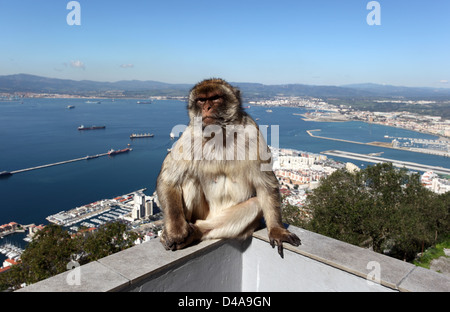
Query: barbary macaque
(215, 183)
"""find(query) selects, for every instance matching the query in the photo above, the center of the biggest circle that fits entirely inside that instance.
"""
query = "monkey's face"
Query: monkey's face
(211, 104)
(216, 102)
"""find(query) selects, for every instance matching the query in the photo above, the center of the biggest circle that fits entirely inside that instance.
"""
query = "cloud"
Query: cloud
(127, 65)
(443, 81)
(77, 64)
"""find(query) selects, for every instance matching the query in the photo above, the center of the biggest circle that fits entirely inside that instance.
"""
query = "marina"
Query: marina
(396, 163)
(97, 213)
(11, 251)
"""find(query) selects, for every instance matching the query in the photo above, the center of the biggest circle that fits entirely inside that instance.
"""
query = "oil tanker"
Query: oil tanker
(141, 135)
(113, 152)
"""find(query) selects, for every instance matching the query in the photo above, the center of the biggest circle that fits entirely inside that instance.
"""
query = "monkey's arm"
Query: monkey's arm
(177, 231)
(268, 194)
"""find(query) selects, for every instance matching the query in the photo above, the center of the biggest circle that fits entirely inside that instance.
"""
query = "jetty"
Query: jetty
(396, 163)
(58, 163)
(310, 132)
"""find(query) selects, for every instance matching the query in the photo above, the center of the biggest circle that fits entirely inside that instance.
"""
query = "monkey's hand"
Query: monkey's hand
(183, 236)
(279, 235)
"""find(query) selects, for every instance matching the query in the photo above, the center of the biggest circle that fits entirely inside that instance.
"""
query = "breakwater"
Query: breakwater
(396, 163)
(58, 163)
(384, 144)
(381, 144)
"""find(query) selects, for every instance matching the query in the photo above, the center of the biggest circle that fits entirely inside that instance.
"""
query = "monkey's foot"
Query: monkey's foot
(178, 241)
(279, 235)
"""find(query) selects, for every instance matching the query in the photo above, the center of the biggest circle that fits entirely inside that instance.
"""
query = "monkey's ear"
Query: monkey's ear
(237, 93)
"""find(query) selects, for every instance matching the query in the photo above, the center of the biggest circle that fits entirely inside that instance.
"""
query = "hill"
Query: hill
(38, 84)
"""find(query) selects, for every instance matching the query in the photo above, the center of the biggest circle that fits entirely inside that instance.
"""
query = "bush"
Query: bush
(382, 207)
(53, 248)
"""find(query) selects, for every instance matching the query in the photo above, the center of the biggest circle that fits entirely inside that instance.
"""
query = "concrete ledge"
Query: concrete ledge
(319, 264)
(392, 273)
(123, 269)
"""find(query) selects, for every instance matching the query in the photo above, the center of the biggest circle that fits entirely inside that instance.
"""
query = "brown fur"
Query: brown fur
(217, 197)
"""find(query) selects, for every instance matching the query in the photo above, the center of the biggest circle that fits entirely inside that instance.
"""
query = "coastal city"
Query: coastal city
(298, 172)
(323, 111)
(136, 209)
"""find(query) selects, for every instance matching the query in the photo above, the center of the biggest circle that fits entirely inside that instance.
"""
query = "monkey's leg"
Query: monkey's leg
(177, 231)
(237, 221)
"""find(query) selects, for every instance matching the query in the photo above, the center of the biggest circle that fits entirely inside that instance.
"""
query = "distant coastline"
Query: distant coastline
(382, 144)
(329, 118)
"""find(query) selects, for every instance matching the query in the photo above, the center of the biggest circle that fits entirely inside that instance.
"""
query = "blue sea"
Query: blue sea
(42, 131)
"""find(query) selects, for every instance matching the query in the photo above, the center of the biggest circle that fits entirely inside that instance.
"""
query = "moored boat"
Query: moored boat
(82, 127)
(141, 135)
(113, 152)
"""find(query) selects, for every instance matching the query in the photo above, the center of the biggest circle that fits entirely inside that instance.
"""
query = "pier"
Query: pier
(396, 163)
(379, 144)
(59, 163)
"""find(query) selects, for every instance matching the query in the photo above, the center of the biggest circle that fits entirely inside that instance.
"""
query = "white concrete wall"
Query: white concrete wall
(265, 271)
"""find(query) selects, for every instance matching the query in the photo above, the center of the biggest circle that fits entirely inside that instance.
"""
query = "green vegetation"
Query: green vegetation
(432, 253)
(53, 248)
(379, 207)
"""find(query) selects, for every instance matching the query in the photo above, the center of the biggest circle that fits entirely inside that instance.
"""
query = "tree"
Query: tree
(53, 248)
(47, 255)
(108, 239)
(338, 206)
(384, 207)
(292, 215)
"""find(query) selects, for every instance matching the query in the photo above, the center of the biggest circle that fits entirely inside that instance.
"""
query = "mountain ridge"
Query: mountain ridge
(39, 84)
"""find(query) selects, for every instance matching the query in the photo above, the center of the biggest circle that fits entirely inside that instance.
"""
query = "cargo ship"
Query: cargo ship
(82, 127)
(113, 152)
(142, 135)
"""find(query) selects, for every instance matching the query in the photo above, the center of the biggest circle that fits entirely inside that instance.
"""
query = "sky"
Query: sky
(314, 42)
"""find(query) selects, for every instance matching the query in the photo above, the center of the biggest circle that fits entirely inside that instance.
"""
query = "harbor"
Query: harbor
(106, 210)
(11, 251)
(396, 163)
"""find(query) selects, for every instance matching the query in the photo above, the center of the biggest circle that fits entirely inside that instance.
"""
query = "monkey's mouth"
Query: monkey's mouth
(209, 119)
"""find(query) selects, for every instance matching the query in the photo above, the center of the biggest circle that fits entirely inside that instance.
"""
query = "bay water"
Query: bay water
(36, 132)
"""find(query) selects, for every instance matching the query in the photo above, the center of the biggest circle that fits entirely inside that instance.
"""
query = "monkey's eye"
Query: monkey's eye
(216, 98)
(201, 100)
